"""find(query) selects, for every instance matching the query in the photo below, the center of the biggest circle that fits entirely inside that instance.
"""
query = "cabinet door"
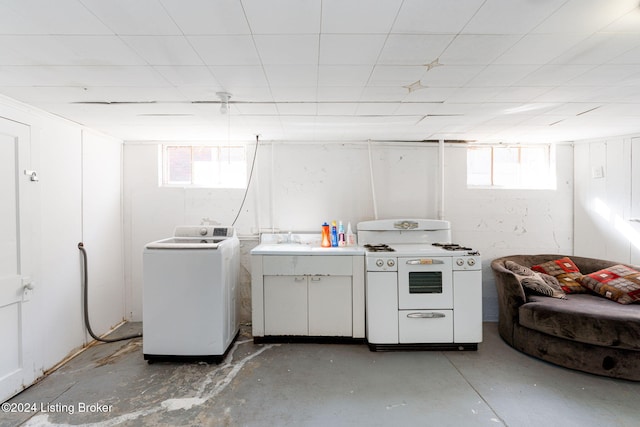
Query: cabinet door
(330, 306)
(285, 305)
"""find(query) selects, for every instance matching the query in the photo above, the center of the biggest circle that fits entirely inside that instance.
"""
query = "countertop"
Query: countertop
(300, 244)
(304, 249)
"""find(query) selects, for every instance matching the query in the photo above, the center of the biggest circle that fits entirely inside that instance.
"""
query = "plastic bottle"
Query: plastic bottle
(334, 234)
(326, 240)
(351, 238)
(342, 241)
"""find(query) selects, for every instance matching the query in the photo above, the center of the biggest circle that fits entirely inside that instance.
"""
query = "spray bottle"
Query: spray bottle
(334, 234)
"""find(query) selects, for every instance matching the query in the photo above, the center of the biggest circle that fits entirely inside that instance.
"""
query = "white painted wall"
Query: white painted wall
(607, 200)
(296, 187)
(508, 222)
(67, 214)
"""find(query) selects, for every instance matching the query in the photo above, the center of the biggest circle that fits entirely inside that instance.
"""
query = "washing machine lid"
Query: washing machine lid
(185, 243)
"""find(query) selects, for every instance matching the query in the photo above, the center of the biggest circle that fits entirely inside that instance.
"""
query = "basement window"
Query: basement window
(511, 167)
(204, 166)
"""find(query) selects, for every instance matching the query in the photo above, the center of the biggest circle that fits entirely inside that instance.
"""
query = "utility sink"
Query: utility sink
(300, 244)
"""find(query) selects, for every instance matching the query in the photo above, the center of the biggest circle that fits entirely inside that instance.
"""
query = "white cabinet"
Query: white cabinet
(285, 305)
(330, 306)
(311, 295)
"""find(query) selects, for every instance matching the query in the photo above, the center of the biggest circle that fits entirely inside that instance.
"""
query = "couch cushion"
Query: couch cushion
(584, 318)
(565, 270)
(618, 283)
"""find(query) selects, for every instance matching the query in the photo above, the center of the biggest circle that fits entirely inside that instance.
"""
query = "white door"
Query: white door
(17, 367)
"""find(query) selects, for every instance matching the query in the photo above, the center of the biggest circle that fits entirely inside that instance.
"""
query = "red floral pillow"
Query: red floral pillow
(566, 272)
(618, 283)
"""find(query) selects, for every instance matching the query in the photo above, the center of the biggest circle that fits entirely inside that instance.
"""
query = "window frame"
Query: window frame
(548, 182)
(164, 166)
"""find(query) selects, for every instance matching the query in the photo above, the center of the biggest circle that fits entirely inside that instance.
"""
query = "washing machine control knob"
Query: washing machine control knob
(203, 231)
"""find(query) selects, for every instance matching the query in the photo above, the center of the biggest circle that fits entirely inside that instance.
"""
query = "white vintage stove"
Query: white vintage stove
(422, 292)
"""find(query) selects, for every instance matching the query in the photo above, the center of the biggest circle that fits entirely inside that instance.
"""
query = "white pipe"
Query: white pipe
(273, 209)
(373, 188)
(441, 170)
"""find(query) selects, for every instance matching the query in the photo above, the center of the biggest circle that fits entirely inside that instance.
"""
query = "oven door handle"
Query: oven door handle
(424, 261)
(430, 315)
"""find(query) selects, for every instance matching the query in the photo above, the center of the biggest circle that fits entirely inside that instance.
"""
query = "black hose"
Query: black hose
(85, 284)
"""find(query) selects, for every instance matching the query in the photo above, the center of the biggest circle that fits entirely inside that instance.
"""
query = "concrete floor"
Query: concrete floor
(324, 385)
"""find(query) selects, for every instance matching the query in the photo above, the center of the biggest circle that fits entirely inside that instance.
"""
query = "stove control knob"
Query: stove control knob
(203, 231)
(471, 261)
(379, 263)
(391, 263)
(460, 262)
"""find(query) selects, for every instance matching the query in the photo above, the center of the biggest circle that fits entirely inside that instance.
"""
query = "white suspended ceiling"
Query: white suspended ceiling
(301, 70)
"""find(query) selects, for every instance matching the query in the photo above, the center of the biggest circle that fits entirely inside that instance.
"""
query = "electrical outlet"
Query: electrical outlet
(597, 172)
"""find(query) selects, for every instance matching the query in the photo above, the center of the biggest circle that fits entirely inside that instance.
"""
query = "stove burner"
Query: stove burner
(452, 247)
(379, 248)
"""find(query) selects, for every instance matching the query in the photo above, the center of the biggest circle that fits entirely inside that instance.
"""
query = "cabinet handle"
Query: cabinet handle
(299, 279)
(316, 279)
(425, 315)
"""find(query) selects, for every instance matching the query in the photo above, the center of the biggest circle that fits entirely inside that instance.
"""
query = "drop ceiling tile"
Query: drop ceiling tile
(283, 16)
(474, 94)
(291, 75)
(520, 94)
(206, 17)
(287, 49)
(346, 16)
(631, 56)
(416, 108)
(501, 75)
(553, 75)
(451, 76)
(377, 108)
(48, 17)
(606, 74)
(344, 75)
(187, 75)
(435, 16)
(430, 94)
(339, 93)
(80, 76)
(288, 93)
(225, 50)
(510, 16)
(252, 94)
(123, 16)
(585, 16)
(383, 93)
(395, 75)
(350, 49)
(242, 76)
(539, 48)
(297, 108)
(66, 50)
(476, 49)
(259, 109)
(598, 49)
(163, 50)
(413, 49)
(339, 109)
(627, 23)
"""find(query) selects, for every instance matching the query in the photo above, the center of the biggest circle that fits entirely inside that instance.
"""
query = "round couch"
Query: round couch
(585, 331)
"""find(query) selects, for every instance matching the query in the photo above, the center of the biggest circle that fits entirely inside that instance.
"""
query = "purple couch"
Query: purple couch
(585, 332)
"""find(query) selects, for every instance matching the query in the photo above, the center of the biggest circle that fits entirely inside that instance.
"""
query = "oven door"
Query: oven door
(425, 283)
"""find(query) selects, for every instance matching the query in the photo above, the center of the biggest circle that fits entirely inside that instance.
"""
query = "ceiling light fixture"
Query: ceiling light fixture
(224, 101)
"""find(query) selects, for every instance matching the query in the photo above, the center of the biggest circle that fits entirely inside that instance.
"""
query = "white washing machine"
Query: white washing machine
(190, 294)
